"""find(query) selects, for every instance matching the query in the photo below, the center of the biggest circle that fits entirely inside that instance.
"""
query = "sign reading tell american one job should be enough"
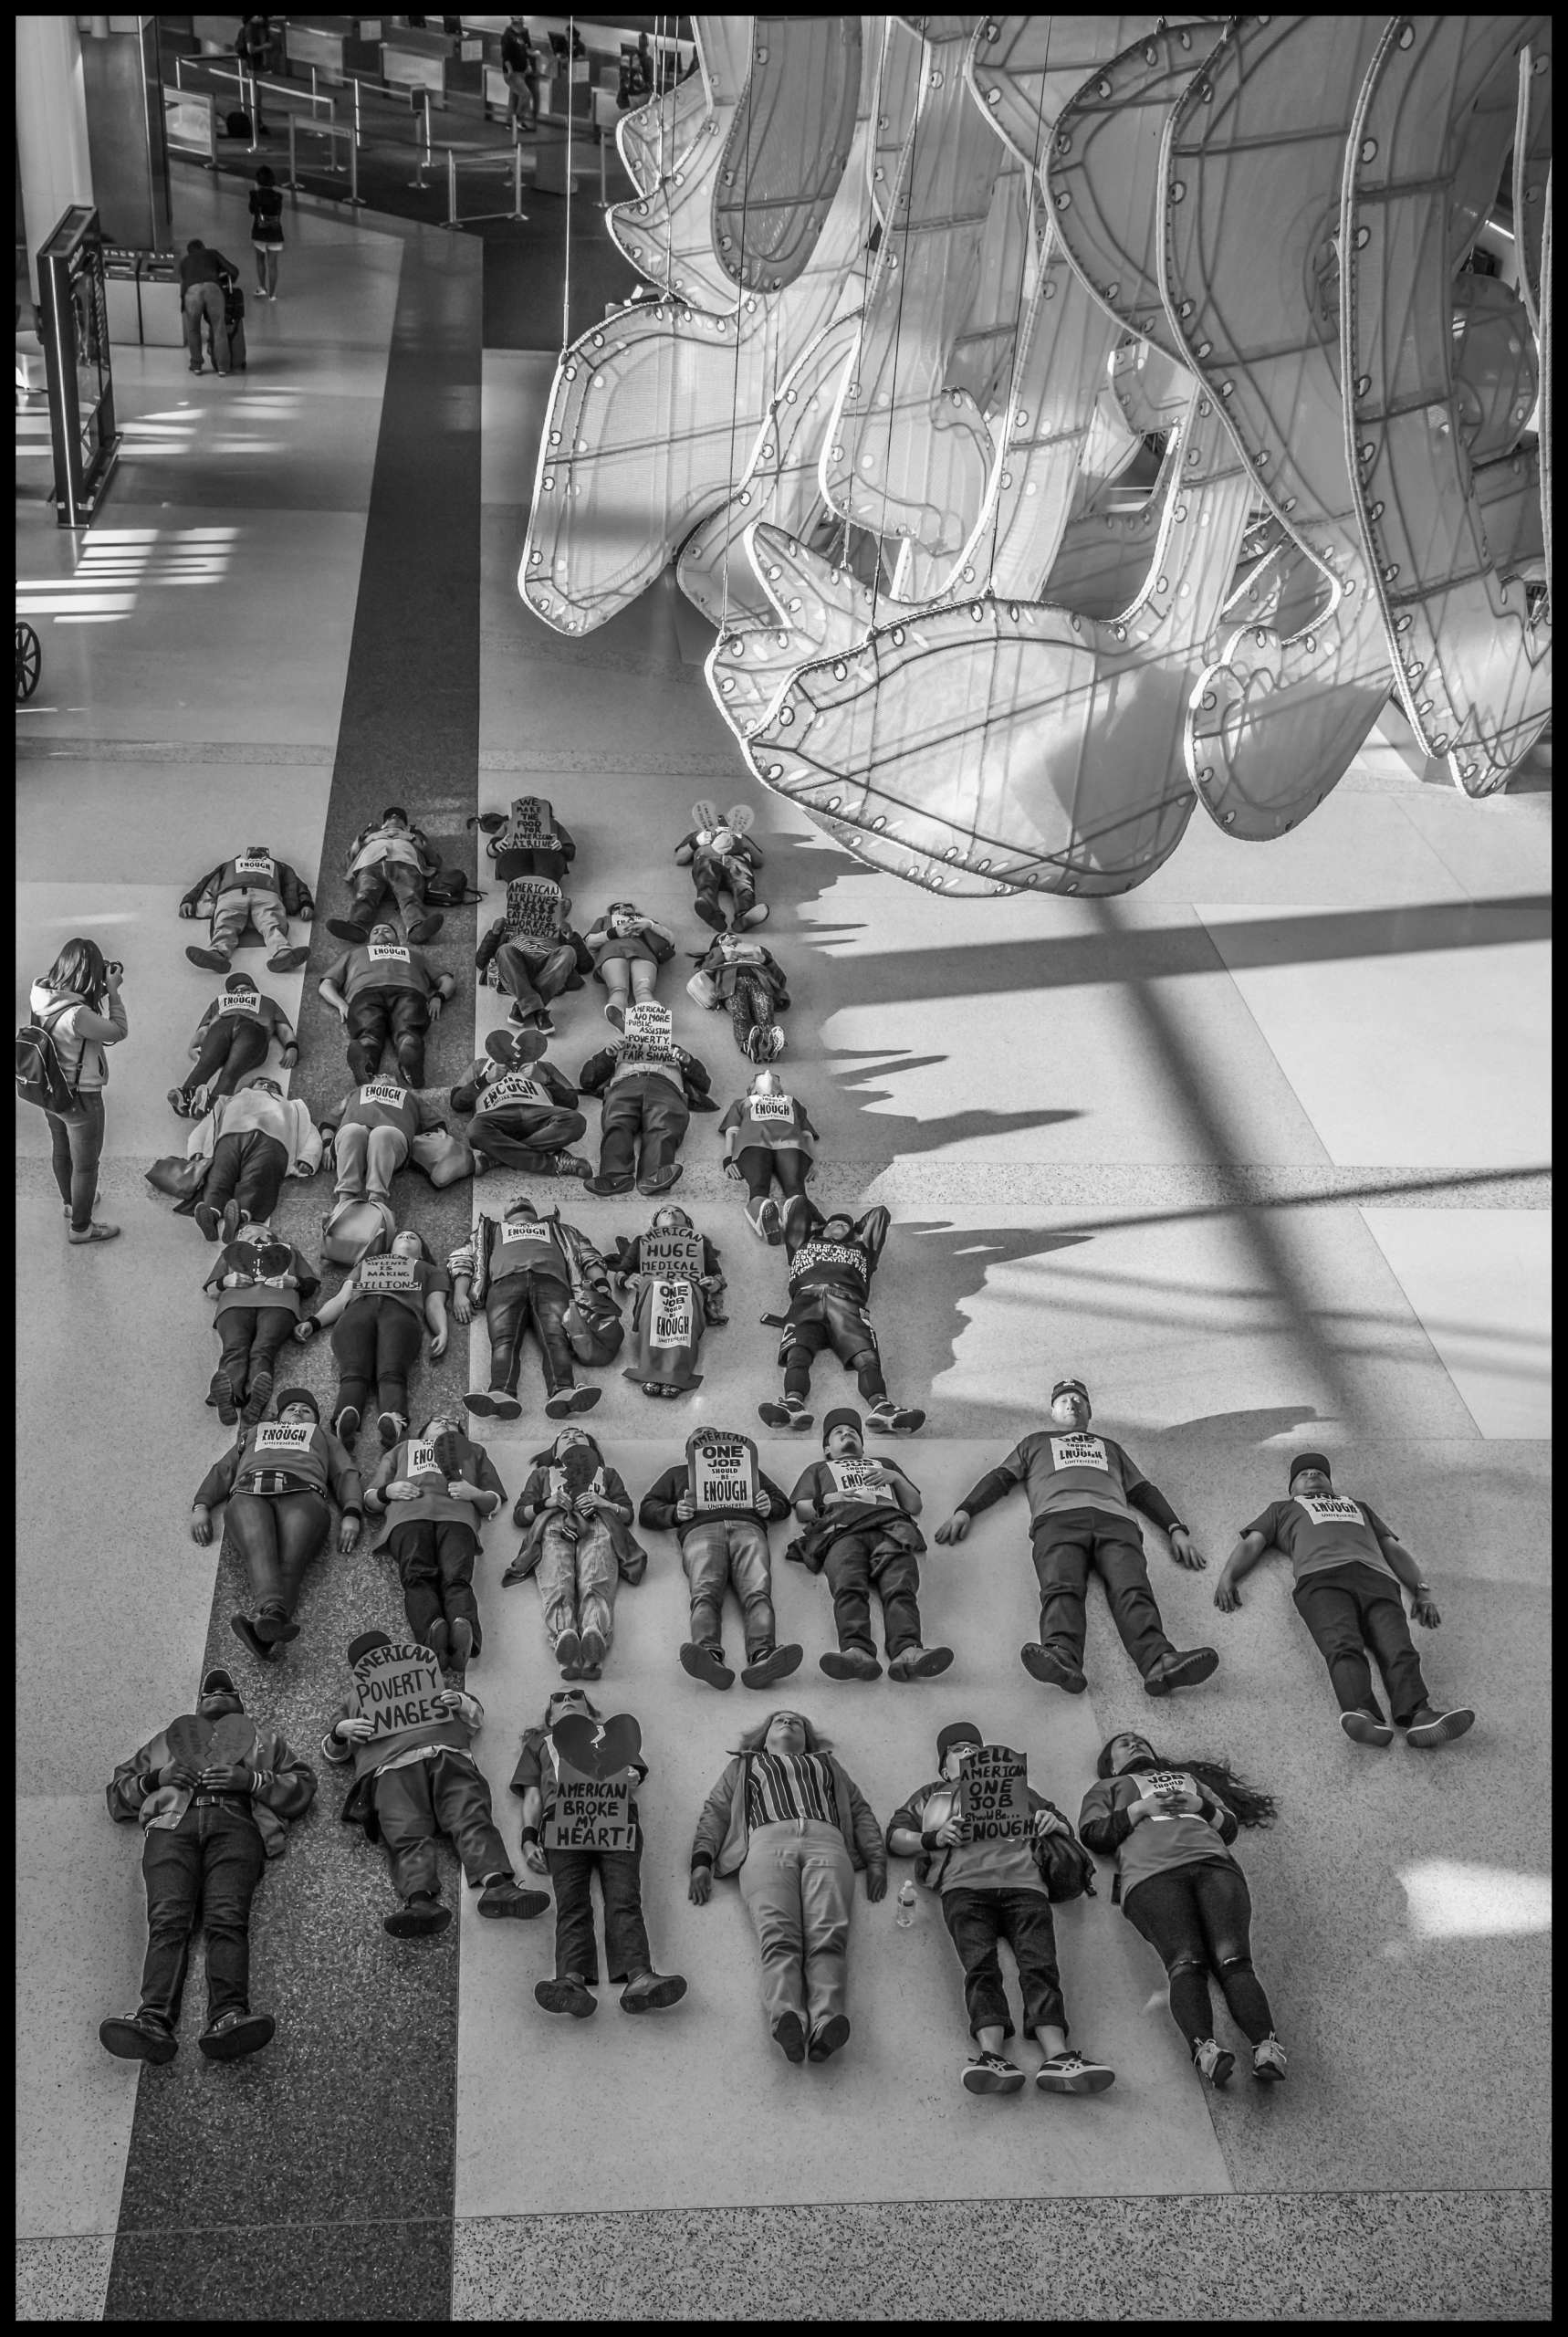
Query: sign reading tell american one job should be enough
(993, 1795)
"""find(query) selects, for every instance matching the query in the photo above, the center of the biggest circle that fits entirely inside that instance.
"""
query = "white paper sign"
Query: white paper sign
(419, 1460)
(239, 1002)
(256, 865)
(649, 1028)
(670, 1323)
(387, 953)
(721, 1472)
(512, 1087)
(279, 1437)
(861, 1481)
(669, 1253)
(766, 1108)
(514, 1232)
(1079, 1452)
(1329, 1509)
(389, 1274)
(384, 1090)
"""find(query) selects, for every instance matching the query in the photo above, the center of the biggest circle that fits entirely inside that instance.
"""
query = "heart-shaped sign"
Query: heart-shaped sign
(233, 1740)
(448, 1455)
(597, 1749)
(188, 1739)
(273, 1258)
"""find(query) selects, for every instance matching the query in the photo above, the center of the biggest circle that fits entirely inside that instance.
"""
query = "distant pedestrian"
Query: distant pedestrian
(203, 274)
(80, 1004)
(266, 231)
(256, 49)
(521, 72)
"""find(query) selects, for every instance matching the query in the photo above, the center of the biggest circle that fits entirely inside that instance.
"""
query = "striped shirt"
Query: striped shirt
(785, 1787)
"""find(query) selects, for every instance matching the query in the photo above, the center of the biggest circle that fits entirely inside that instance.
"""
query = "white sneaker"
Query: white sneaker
(1268, 2060)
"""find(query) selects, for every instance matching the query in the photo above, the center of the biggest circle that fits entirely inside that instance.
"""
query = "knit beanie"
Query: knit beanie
(1307, 1461)
(957, 1732)
(287, 1395)
(845, 1416)
(365, 1642)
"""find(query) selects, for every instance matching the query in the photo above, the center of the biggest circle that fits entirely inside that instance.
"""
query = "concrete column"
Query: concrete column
(51, 127)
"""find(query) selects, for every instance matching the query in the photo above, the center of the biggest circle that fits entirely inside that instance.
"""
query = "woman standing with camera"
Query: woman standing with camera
(79, 1003)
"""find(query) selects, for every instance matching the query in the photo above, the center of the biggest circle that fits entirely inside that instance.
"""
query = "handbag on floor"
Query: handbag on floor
(179, 1177)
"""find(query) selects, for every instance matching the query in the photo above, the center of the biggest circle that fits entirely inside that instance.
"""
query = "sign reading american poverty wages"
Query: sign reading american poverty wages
(389, 1274)
(721, 1471)
(672, 1321)
(993, 1795)
(397, 1688)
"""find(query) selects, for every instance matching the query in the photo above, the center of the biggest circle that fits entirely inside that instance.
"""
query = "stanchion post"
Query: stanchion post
(450, 185)
(292, 180)
(355, 200)
(422, 161)
(255, 147)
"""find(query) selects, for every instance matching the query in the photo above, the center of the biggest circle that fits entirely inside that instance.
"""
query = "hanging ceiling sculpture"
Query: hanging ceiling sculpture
(1066, 421)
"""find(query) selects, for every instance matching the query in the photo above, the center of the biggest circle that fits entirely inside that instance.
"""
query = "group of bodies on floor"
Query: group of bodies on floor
(786, 1817)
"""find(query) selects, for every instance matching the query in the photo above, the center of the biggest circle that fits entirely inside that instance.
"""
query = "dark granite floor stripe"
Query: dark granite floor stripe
(349, 2116)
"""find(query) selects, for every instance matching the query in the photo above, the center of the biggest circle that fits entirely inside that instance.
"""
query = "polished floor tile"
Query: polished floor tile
(1483, 1293)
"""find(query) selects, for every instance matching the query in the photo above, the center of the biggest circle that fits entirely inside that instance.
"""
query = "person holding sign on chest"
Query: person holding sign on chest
(768, 1141)
(1083, 1490)
(391, 856)
(525, 1110)
(651, 1088)
(1349, 1568)
(721, 1505)
(386, 994)
(576, 1511)
(859, 1516)
(672, 1272)
(274, 1479)
(255, 887)
(998, 1852)
(435, 1491)
(531, 954)
(832, 1262)
(627, 949)
(214, 1794)
(577, 1776)
(415, 1778)
(262, 1285)
(232, 1038)
(377, 1318)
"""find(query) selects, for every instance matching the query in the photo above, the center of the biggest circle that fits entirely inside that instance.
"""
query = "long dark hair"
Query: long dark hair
(79, 968)
(752, 1740)
(1248, 1805)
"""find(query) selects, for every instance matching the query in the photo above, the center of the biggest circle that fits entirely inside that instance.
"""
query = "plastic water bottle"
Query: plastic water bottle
(904, 1913)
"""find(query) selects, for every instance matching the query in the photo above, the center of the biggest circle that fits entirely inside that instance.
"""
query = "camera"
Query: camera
(113, 965)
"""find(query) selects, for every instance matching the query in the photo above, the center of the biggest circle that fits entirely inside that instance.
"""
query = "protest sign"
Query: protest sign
(383, 1091)
(239, 1002)
(1079, 1452)
(721, 1471)
(589, 1813)
(669, 1253)
(276, 1439)
(672, 1320)
(648, 1027)
(387, 953)
(766, 1108)
(533, 908)
(389, 1274)
(396, 1688)
(993, 1795)
(861, 1481)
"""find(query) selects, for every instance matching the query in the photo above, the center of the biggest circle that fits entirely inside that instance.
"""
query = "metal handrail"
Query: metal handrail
(237, 74)
(517, 210)
(331, 130)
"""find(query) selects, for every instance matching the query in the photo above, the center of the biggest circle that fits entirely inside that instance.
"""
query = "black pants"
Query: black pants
(376, 1341)
(535, 971)
(205, 1870)
(250, 1337)
(856, 1565)
(435, 1561)
(231, 1045)
(1067, 1546)
(75, 1146)
(444, 1795)
(401, 878)
(831, 1319)
(248, 1167)
(525, 1136)
(276, 1534)
(1197, 1919)
(1349, 1609)
(641, 1126)
(379, 1018)
(975, 1920)
(626, 1950)
(762, 1167)
(510, 1305)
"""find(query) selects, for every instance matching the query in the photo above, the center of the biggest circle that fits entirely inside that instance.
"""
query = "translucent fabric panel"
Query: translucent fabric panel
(992, 745)
(900, 62)
(657, 139)
(668, 234)
(1545, 402)
(806, 608)
(985, 346)
(1023, 69)
(1473, 656)
(1532, 166)
(787, 147)
(1494, 365)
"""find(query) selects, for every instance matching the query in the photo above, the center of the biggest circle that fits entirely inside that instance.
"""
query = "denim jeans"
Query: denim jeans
(626, 1949)
(276, 1534)
(232, 1044)
(975, 1920)
(856, 1565)
(509, 1304)
(379, 1018)
(75, 1146)
(204, 1870)
(725, 1550)
(797, 1881)
(376, 1342)
(444, 1795)
(248, 1167)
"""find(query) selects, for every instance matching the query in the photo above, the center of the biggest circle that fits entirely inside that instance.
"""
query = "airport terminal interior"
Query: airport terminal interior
(1249, 1139)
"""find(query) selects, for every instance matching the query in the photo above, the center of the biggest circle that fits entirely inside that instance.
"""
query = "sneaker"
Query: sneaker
(568, 1650)
(272, 1624)
(1073, 2073)
(571, 1163)
(212, 960)
(831, 2039)
(1051, 1670)
(505, 1408)
(790, 2035)
(992, 2073)
(601, 1186)
(391, 1428)
(706, 1663)
(775, 1042)
(1365, 1728)
(592, 1672)
(661, 1179)
(346, 929)
(543, 1021)
(461, 1634)
(1268, 2060)
(138, 2036)
(259, 1397)
(426, 929)
(245, 1631)
(508, 1897)
(481, 1404)
(229, 1223)
(762, 1215)
(180, 1103)
(888, 1418)
(1183, 1668)
(220, 1391)
(919, 1662)
(756, 915)
(1213, 2062)
(437, 1641)
(709, 910)
(287, 961)
(775, 1663)
(790, 1413)
(594, 1649)
(652, 1991)
(234, 2034)
(850, 1663)
(94, 1232)
(206, 1217)
(1428, 1727)
(482, 1165)
(615, 1014)
(422, 1916)
(581, 1400)
(568, 1995)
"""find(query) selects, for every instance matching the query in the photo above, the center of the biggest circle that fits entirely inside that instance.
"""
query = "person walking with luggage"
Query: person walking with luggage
(275, 1480)
(417, 1780)
(253, 1139)
(789, 1822)
(996, 1888)
(1083, 1491)
(724, 1545)
(859, 1516)
(769, 1140)
(576, 1514)
(524, 1113)
(831, 1260)
(651, 1088)
(232, 1039)
(78, 1012)
(387, 994)
(378, 1317)
(433, 1492)
(252, 888)
(543, 1778)
(523, 1268)
(266, 231)
(627, 949)
(1349, 1568)
(389, 855)
(531, 953)
(262, 1287)
(215, 1795)
(204, 273)
(1169, 1825)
